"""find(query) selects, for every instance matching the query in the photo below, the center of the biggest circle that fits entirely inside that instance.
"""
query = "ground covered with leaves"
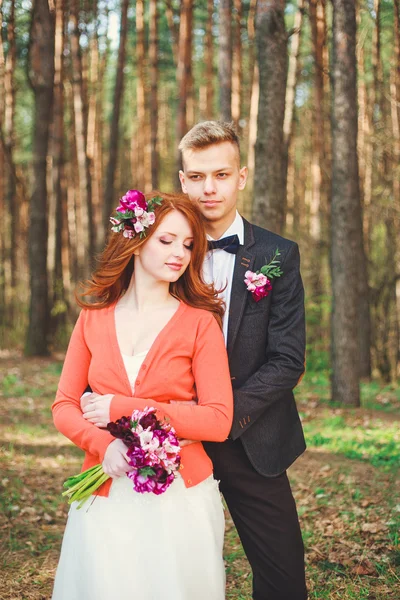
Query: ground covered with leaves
(346, 485)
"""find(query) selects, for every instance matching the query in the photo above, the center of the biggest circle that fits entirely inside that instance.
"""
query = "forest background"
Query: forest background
(94, 98)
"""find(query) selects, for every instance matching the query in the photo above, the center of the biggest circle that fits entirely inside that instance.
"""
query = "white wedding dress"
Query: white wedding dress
(135, 546)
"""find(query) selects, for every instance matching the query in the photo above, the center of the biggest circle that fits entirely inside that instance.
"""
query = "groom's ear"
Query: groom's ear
(182, 180)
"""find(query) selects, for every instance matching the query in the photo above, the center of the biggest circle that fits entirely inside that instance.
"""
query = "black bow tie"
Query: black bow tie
(229, 244)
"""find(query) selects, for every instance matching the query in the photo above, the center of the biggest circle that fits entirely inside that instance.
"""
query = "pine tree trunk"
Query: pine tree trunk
(12, 200)
(347, 241)
(294, 66)
(140, 140)
(109, 194)
(225, 59)
(86, 235)
(42, 82)
(92, 133)
(58, 199)
(237, 63)
(209, 62)
(3, 211)
(153, 56)
(183, 75)
(269, 181)
(169, 11)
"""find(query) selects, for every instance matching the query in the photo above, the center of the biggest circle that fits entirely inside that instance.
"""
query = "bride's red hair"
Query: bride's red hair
(115, 264)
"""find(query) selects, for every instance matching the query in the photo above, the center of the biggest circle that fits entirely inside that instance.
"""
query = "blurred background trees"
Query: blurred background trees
(94, 97)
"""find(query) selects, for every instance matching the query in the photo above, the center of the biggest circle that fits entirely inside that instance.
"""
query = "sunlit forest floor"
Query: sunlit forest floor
(346, 486)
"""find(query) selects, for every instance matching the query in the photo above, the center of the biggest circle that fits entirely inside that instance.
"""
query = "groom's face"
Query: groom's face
(212, 178)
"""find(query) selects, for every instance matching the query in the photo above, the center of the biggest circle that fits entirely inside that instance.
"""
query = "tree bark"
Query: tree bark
(183, 76)
(42, 81)
(347, 242)
(293, 74)
(58, 230)
(12, 200)
(140, 135)
(169, 11)
(269, 180)
(109, 195)
(237, 63)
(153, 56)
(225, 59)
(209, 66)
(86, 233)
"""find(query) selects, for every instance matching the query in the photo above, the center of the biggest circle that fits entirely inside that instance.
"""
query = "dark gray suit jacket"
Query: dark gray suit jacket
(266, 349)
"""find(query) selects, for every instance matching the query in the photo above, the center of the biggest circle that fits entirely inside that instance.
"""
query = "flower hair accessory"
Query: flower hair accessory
(259, 282)
(135, 214)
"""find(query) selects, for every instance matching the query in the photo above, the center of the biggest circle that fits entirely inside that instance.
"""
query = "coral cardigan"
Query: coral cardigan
(187, 360)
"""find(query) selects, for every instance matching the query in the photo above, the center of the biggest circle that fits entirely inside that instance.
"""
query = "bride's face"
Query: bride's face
(166, 255)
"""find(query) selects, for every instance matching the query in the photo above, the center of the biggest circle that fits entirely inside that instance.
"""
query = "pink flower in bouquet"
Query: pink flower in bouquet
(258, 284)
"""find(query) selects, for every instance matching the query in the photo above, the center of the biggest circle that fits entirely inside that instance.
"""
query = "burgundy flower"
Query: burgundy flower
(149, 420)
(121, 429)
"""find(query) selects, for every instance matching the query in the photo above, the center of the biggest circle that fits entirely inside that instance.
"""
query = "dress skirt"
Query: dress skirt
(131, 546)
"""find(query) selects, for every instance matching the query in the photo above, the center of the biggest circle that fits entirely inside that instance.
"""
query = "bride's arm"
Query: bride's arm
(208, 420)
(67, 414)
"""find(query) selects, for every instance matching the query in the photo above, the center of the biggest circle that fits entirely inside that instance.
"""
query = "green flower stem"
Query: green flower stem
(84, 481)
(76, 478)
(89, 491)
(88, 486)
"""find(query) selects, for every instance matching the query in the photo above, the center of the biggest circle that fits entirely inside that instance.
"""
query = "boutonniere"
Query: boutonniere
(259, 282)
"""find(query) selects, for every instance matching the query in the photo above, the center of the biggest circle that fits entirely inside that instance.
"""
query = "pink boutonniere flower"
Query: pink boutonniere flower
(259, 282)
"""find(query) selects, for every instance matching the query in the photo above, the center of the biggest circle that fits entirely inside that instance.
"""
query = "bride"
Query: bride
(151, 336)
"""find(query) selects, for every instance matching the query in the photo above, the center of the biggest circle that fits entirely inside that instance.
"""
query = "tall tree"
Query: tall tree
(9, 145)
(237, 62)
(80, 103)
(209, 61)
(347, 241)
(288, 123)
(109, 198)
(225, 59)
(154, 75)
(41, 77)
(57, 222)
(269, 180)
(183, 73)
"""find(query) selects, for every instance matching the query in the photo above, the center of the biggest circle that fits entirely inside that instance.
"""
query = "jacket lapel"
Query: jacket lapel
(244, 262)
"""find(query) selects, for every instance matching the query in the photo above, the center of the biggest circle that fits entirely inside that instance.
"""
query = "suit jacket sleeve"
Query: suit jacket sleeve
(209, 420)
(285, 351)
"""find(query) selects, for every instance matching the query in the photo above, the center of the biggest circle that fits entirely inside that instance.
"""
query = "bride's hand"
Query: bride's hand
(97, 409)
(115, 463)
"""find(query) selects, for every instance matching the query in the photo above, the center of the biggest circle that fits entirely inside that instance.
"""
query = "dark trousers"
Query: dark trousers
(265, 516)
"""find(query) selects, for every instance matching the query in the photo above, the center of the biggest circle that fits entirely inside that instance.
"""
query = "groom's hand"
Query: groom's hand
(96, 409)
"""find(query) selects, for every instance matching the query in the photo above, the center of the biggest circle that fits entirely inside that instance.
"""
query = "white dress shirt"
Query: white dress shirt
(219, 265)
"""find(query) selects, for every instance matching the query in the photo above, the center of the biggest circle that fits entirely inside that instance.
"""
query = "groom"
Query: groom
(265, 338)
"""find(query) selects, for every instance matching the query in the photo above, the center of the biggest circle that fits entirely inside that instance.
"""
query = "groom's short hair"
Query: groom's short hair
(208, 133)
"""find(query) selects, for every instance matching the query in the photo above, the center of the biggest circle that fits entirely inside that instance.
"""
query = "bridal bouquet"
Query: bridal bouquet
(152, 448)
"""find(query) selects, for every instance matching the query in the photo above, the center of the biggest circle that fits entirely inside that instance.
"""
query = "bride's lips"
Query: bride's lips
(175, 266)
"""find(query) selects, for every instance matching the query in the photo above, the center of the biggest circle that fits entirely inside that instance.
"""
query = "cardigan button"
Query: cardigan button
(144, 367)
(189, 481)
(137, 381)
